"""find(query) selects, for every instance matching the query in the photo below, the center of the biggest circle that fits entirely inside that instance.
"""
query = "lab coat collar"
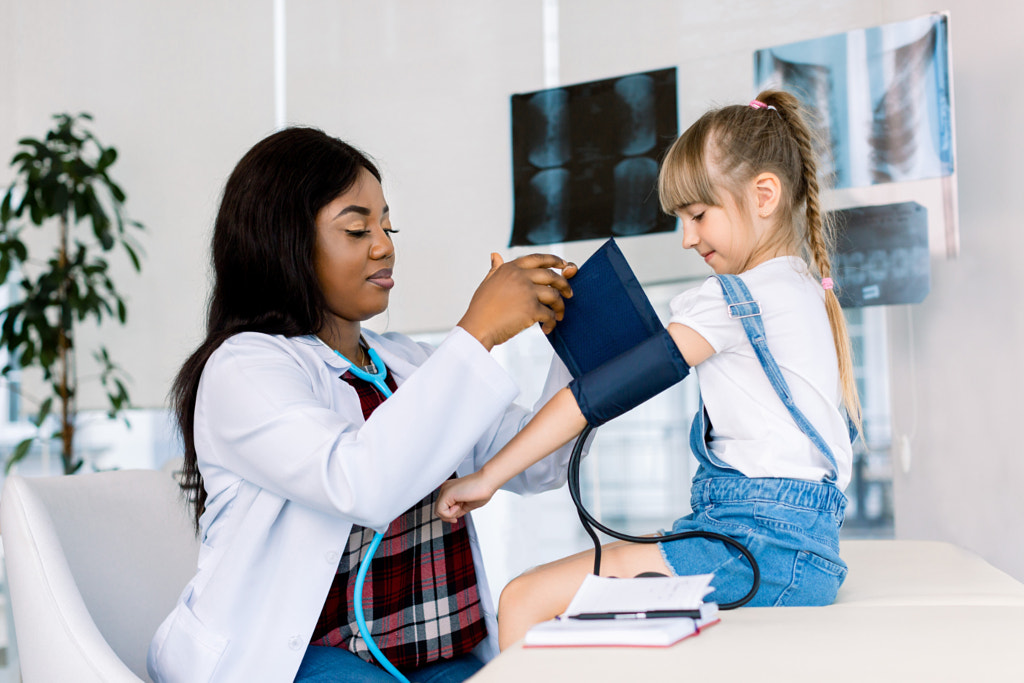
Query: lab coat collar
(392, 354)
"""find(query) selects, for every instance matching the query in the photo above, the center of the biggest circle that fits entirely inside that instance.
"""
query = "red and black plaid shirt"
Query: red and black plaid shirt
(420, 595)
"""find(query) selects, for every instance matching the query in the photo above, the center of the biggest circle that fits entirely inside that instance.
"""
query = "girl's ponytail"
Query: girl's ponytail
(818, 239)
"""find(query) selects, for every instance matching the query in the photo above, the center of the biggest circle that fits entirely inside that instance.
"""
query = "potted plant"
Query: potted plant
(62, 181)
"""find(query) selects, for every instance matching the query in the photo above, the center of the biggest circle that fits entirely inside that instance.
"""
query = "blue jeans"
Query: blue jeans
(335, 665)
(791, 527)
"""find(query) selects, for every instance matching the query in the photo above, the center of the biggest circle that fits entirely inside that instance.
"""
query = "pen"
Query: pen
(649, 614)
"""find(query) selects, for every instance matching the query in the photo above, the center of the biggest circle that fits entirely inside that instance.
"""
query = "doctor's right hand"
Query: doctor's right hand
(459, 496)
(517, 294)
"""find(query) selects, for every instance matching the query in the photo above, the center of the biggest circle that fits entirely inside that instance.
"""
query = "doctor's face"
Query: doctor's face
(354, 254)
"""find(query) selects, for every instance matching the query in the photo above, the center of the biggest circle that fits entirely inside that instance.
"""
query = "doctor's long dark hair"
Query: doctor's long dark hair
(263, 258)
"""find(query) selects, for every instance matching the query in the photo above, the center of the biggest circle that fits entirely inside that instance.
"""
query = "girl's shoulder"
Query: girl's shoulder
(784, 272)
(707, 293)
(779, 286)
(777, 278)
(786, 282)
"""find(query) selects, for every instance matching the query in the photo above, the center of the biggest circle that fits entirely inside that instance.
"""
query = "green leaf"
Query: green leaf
(132, 255)
(44, 412)
(116, 191)
(59, 200)
(19, 453)
(32, 142)
(81, 170)
(81, 206)
(108, 156)
(28, 354)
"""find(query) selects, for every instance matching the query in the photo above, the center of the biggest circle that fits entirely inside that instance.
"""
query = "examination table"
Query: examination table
(908, 611)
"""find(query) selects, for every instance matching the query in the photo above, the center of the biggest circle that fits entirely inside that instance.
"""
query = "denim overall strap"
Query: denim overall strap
(744, 308)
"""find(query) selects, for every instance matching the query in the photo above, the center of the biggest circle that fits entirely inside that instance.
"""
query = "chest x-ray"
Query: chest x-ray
(882, 97)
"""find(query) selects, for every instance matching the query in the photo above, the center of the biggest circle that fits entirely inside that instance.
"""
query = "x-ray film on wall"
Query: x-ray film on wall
(883, 101)
(882, 255)
(585, 158)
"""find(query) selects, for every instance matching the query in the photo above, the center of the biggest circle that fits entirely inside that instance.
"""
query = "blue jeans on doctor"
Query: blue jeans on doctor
(323, 664)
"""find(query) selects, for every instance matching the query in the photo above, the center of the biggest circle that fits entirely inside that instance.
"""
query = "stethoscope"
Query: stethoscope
(377, 379)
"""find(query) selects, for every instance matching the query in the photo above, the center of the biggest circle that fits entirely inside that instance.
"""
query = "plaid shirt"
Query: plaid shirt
(420, 595)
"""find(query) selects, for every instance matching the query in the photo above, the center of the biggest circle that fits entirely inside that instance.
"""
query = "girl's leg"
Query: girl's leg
(544, 592)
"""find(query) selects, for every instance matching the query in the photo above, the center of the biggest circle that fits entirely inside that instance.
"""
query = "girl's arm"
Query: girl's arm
(695, 348)
(554, 425)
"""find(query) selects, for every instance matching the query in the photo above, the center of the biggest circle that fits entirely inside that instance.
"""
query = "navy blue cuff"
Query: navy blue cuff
(624, 382)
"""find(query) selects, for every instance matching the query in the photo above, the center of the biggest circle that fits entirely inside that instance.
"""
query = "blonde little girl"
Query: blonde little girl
(767, 339)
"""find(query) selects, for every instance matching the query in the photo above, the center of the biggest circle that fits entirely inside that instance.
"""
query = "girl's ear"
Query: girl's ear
(768, 192)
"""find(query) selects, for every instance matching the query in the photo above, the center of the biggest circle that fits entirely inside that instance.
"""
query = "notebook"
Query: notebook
(609, 612)
(619, 633)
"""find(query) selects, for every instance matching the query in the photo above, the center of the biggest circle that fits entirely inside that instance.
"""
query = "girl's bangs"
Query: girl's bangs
(684, 177)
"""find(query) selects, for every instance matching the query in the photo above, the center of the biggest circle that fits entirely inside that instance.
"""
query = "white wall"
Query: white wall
(958, 366)
(183, 88)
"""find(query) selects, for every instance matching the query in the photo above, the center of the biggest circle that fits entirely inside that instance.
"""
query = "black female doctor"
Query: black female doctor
(279, 460)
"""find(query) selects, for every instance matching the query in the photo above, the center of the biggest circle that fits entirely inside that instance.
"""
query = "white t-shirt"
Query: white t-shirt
(751, 429)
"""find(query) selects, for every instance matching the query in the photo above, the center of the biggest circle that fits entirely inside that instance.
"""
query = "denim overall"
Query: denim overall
(791, 526)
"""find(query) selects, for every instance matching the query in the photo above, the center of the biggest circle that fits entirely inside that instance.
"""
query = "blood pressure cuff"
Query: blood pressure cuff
(629, 379)
(612, 341)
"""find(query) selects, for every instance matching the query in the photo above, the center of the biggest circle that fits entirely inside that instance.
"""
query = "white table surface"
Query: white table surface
(909, 611)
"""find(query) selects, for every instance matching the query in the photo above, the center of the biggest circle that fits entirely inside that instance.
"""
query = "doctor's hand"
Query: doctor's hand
(517, 294)
(459, 496)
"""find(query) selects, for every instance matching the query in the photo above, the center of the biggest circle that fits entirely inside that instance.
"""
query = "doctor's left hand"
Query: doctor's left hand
(459, 496)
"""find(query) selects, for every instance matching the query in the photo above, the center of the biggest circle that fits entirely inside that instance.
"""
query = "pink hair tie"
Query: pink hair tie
(758, 104)
(827, 283)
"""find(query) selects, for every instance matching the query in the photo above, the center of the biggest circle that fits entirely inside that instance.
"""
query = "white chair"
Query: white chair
(94, 564)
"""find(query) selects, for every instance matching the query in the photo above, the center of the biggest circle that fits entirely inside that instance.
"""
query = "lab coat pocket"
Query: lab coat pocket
(190, 652)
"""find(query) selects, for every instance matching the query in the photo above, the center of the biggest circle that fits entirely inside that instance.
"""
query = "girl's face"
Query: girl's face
(354, 253)
(724, 235)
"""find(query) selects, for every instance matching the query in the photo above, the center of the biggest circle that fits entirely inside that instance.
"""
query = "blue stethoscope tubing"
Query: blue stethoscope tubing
(376, 379)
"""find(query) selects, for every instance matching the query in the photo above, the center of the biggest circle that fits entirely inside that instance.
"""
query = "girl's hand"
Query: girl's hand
(517, 294)
(459, 496)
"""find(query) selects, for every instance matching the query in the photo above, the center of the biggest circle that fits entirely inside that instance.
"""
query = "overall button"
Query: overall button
(295, 642)
(332, 557)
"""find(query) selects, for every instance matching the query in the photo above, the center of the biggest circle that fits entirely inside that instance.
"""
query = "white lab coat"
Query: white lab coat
(289, 465)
